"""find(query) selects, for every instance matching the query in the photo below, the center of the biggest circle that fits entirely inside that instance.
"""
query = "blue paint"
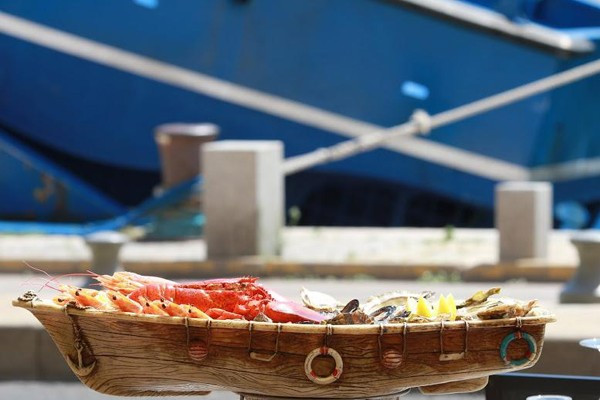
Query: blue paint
(360, 59)
(33, 186)
(415, 90)
(147, 3)
(571, 215)
(144, 214)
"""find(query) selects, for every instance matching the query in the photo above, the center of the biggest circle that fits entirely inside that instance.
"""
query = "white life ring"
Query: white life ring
(323, 351)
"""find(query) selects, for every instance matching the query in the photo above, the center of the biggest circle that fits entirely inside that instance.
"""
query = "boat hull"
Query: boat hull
(359, 62)
(124, 354)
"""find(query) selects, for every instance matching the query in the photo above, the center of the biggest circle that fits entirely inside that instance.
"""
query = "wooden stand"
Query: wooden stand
(395, 396)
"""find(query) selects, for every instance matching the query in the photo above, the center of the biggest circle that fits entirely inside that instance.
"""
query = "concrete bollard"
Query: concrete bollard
(584, 286)
(523, 219)
(180, 148)
(105, 247)
(243, 197)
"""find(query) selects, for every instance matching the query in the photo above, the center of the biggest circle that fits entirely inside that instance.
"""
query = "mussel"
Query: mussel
(350, 315)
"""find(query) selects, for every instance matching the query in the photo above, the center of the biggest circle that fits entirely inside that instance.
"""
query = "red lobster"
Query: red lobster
(235, 298)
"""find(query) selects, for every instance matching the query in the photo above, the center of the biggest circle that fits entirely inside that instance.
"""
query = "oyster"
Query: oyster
(413, 317)
(538, 312)
(383, 314)
(318, 301)
(400, 317)
(478, 298)
(507, 310)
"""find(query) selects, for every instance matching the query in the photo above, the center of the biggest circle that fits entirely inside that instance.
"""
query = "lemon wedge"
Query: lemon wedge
(451, 306)
(424, 308)
(443, 306)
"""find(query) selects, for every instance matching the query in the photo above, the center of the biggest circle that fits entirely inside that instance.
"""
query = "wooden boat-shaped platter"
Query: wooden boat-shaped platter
(138, 355)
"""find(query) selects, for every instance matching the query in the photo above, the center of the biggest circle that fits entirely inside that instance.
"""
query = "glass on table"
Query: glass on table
(593, 343)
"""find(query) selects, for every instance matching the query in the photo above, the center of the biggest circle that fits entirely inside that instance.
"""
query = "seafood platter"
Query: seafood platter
(141, 335)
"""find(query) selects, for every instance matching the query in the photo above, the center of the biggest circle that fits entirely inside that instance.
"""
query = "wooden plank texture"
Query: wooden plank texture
(134, 355)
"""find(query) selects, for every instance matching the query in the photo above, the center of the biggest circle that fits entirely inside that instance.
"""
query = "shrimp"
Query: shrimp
(124, 303)
(231, 298)
(152, 307)
(88, 297)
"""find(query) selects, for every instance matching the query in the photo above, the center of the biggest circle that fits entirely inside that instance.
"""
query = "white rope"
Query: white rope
(421, 122)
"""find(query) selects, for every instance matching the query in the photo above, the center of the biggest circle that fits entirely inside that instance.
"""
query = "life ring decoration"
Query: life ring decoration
(531, 351)
(323, 351)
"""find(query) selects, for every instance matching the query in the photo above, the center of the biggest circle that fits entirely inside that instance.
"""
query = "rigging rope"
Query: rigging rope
(422, 123)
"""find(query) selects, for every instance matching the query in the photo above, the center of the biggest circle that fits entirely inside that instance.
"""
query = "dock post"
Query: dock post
(105, 247)
(584, 286)
(243, 197)
(180, 148)
(523, 213)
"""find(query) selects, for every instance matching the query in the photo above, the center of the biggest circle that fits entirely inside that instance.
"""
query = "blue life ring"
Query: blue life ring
(531, 352)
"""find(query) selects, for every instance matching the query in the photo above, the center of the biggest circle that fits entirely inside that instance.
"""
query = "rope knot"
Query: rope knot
(422, 120)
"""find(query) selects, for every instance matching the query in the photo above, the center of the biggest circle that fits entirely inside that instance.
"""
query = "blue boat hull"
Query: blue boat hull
(356, 59)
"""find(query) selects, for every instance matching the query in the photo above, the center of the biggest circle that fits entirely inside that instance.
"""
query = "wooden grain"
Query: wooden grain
(141, 355)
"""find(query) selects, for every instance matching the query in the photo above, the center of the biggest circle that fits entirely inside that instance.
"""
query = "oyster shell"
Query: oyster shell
(383, 314)
(507, 310)
(318, 301)
(538, 312)
(478, 298)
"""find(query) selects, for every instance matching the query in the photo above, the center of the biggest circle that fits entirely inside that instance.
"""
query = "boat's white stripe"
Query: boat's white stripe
(100, 53)
(176, 76)
(566, 171)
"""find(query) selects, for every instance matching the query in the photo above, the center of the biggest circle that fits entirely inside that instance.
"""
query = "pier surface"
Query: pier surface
(382, 253)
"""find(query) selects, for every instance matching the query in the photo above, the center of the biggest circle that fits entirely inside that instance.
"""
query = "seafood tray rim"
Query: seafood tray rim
(355, 329)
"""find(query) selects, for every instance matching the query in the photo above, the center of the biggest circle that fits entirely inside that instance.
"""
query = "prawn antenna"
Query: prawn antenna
(52, 279)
